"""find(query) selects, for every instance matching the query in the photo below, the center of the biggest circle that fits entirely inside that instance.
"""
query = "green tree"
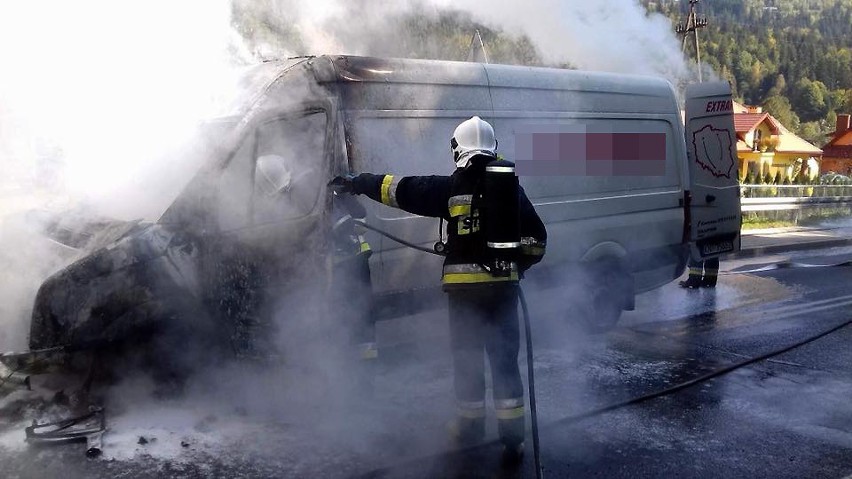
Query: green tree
(841, 101)
(809, 99)
(780, 108)
(778, 87)
(812, 132)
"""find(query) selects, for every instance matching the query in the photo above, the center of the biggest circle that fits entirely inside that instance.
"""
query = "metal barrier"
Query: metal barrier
(793, 197)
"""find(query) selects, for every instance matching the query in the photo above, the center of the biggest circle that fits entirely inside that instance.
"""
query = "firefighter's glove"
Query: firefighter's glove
(343, 184)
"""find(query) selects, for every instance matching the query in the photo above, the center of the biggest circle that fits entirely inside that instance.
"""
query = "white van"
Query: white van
(603, 157)
(624, 193)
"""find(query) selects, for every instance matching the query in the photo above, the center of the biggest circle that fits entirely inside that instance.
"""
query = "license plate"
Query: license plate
(717, 247)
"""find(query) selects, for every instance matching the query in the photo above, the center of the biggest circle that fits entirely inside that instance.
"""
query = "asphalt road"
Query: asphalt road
(788, 416)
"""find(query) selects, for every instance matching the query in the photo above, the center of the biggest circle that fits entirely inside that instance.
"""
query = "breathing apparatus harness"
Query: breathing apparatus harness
(495, 198)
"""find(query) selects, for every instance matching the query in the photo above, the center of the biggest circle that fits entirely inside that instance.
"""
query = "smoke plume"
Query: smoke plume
(615, 36)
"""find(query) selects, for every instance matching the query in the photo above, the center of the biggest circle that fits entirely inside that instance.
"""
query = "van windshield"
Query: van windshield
(201, 148)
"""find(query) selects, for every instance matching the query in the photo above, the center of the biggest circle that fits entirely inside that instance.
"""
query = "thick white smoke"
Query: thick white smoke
(606, 35)
(95, 92)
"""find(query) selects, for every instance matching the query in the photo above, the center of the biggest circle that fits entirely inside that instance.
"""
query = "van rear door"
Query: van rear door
(714, 195)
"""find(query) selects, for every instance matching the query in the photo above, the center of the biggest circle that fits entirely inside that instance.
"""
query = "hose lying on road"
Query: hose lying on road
(786, 265)
(698, 380)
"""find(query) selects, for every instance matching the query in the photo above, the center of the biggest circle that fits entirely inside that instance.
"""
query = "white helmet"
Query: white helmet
(472, 137)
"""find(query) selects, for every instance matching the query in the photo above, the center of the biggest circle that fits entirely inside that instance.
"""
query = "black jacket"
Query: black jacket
(453, 199)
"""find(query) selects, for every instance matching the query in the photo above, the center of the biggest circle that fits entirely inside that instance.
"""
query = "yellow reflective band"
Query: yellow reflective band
(459, 200)
(471, 413)
(514, 413)
(695, 271)
(386, 183)
(465, 278)
(365, 247)
(370, 354)
(459, 210)
(388, 191)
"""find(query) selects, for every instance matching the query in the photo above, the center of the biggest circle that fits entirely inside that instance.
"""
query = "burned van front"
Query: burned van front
(119, 291)
(247, 230)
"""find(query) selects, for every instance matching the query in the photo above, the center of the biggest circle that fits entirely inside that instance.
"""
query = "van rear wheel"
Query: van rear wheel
(608, 292)
(596, 314)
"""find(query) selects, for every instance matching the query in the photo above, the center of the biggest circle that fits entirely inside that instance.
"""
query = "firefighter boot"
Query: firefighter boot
(512, 438)
(512, 456)
(694, 280)
(711, 273)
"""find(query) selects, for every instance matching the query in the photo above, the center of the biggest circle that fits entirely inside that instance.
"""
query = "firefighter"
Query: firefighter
(351, 276)
(483, 313)
(702, 274)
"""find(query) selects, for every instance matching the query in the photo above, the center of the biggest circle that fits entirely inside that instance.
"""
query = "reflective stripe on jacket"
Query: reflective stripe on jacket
(466, 274)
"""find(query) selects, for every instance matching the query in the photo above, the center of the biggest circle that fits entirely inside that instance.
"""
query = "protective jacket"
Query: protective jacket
(457, 199)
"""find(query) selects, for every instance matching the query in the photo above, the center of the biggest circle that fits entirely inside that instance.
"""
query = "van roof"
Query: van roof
(576, 90)
(395, 70)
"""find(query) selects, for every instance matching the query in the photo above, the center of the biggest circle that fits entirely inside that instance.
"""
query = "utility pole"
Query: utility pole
(477, 54)
(693, 23)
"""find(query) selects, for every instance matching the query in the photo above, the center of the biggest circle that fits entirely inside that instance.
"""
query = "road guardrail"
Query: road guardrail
(793, 197)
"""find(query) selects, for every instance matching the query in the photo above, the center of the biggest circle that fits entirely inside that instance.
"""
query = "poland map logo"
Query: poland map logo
(713, 151)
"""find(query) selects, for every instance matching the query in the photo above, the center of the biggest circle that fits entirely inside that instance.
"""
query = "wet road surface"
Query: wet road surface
(788, 416)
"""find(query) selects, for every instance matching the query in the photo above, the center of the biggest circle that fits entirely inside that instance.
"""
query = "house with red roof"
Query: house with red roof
(837, 153)
(765, 146)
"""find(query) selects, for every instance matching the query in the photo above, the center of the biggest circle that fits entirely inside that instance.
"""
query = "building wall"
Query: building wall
(836, 164)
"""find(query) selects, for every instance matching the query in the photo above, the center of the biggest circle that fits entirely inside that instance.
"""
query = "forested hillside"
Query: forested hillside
(794, 57)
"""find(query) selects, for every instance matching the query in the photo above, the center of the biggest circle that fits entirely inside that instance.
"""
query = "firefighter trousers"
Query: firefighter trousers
(352, 300)
(485, 320)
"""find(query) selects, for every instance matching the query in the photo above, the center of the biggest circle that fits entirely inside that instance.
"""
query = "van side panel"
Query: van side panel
(395, 123)
(640, 212)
